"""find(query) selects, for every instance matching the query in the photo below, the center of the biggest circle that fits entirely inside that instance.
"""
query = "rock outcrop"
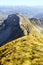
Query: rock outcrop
(10, 29)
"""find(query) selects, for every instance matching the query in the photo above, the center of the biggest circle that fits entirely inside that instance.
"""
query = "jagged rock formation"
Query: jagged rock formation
(36, 21)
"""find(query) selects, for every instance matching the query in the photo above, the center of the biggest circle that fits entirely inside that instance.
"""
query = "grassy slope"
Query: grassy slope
(27, 50)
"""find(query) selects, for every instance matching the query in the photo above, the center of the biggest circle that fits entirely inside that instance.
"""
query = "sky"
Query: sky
(21, 2)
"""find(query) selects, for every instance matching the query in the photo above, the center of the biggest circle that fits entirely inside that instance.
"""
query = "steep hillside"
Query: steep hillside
(27, 50)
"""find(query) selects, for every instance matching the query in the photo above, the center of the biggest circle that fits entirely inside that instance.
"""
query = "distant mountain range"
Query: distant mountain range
(24, 10)
(39, 15)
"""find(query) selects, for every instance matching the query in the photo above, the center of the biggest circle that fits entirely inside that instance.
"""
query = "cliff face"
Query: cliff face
(11, 30)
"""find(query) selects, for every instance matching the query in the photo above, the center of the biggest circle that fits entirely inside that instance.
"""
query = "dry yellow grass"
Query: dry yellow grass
(27, 50)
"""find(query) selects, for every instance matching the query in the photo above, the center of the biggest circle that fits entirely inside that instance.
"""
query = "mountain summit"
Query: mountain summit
(16, 26)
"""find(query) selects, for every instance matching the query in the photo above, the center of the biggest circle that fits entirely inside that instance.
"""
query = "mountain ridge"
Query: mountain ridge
(16, 26)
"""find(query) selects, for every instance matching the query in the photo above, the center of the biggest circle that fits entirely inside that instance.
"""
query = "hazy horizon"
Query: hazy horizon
(21, 2)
